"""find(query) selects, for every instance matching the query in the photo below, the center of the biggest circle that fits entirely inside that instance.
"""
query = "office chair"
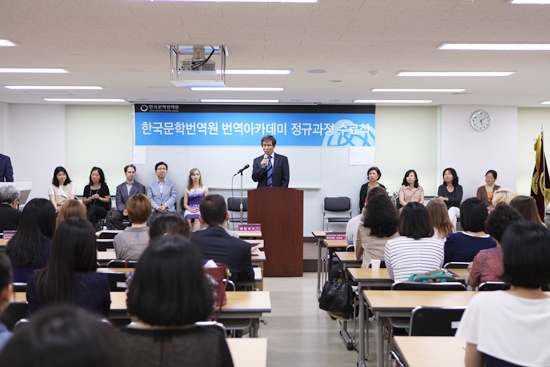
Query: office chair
(338, 204)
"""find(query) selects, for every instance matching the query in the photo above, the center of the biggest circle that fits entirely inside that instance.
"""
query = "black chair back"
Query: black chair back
(122, 264)
(107, 235)
(104, 244)
(494, 286)
(19, 287)
(435, 321)
(456, 265)
(13, 313)
(117, 281)
(382, 265)
(414, 286)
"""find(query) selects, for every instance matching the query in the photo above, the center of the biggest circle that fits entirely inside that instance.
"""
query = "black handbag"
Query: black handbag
(337, 297)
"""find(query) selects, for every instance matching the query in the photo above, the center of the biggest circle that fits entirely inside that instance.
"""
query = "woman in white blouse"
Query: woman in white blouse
(512, 328)
(61, 189)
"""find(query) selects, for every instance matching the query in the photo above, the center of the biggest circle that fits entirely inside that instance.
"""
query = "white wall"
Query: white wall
(35, 141)
(100, 136)
(472, 153)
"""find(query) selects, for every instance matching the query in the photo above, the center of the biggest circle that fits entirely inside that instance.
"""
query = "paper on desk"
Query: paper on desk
(255, 250)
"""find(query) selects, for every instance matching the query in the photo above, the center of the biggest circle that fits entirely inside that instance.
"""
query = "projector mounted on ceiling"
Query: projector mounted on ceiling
(193, 66)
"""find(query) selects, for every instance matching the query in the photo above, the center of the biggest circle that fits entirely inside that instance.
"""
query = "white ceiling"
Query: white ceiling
(121, 46)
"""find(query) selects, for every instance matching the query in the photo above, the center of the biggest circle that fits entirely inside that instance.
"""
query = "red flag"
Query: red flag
(540, 183)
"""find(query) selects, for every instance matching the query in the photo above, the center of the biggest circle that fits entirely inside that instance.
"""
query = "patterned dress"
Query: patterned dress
(194, 197)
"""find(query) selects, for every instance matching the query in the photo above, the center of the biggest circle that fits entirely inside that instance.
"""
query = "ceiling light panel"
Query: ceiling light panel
(455, 73)
(99, 100)
(52, 87)
(398, 101)
(230, 1)
(419, 90)
(6, 43)
(255, 72)
(497, 46)
(239, 89)
(240, 100)
(33, 70)
(531, 2)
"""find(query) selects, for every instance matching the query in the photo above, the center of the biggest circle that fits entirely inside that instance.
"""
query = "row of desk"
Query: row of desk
(388, 304)
(240, 306)
(396, 303)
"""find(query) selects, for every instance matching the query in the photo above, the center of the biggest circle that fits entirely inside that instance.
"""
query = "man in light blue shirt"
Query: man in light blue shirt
(162, 191)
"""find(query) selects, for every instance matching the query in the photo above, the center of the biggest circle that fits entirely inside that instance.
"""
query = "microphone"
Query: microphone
(242, 169)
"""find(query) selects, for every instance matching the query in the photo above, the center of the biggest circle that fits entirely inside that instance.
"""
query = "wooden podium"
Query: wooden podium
(280, 211)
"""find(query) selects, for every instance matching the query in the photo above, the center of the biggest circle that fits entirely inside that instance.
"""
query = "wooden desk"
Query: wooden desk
(257, 259)
(254, 243)
(240, 305)
(3, 242)
(103, 257)
(401, 303)
(249, 234)
(248, 352)
(426, 351)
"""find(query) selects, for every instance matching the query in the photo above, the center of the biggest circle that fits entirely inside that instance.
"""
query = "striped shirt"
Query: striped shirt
(405, 256)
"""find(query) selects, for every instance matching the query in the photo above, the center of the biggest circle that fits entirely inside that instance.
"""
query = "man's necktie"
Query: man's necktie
(269, 172)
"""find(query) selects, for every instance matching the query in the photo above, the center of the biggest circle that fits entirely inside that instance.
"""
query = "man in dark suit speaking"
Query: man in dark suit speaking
(270, 169)
(6, 170)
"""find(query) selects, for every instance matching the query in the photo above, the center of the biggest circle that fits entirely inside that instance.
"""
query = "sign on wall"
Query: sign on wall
(203, 125)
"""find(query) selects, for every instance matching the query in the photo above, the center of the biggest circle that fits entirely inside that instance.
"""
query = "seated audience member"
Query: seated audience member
(124, 191)
(29, 248)
(61, 189)
(355, 222)
(527, 207)
(450, 192)
(9, 214)
(464, 246)
(487, 265)
(512, 328)
(168, 295)
(503, 196)
(379, 225)
(410, 190)
(6, 279)
(216, 244)
(374, 175)
(485, 192)
(63, 336)
(71, 208)
(130, 244)
(170, 224)
(415, 251)
(192, 196)
(97, 197)
(440, 219)
(71, 277)
(162, 191)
